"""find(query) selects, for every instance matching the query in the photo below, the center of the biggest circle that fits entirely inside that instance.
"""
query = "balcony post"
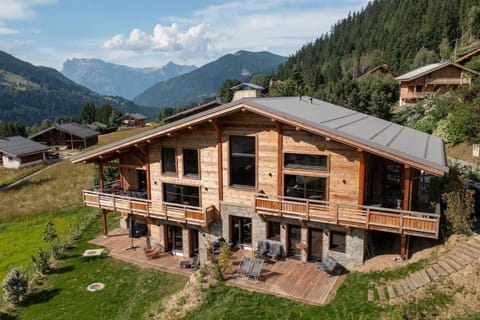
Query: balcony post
(100, 176)
(104, 221)
(361, 178)
(406, 188)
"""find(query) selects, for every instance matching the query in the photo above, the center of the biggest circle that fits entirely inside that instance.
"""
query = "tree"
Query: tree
(444, 49)
(15, 286)
(261, 80)
(225, 93)
(424, 57)
(88, 113)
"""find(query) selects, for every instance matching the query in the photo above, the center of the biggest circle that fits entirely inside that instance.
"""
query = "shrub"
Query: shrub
(40, 261)
(15, 286)
(49, 234)
(460, 205)
(224, 260)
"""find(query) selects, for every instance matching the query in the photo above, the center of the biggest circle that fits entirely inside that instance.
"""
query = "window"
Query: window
(187, 195)
(242, 161)
(337, 241)
(190, 162)
(168, 160)
(305, 187)
(273, 230)
(306, 161)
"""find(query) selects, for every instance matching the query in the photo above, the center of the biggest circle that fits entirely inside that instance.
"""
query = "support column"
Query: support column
(104, 221)
(403, 246)
(218, 131)
(100, 176)
(361, 178)
(278, 127)
(148, 184)
(406, 188)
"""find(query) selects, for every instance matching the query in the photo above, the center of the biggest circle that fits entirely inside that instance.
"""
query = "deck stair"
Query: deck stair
(455, 260)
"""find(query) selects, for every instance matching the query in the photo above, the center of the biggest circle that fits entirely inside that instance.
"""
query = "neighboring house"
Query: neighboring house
(380, 69)
(97, 126)
(246, 90)
(292, 170)
(69, 135)
(17, 152)
(134, 120)
(466, 56)
(433, 78)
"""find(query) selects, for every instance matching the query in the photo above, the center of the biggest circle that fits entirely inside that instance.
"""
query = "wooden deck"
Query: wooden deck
(405, 222)
(287, 278)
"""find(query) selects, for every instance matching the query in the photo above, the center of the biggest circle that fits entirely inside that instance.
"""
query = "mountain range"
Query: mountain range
(29, 94)
(204, 82)
(118, 80)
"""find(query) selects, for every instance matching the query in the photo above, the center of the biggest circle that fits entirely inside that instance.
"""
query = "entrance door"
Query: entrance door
(241, 230)
(294, 237)
(174, 238)
(194, 242)
(315, 243)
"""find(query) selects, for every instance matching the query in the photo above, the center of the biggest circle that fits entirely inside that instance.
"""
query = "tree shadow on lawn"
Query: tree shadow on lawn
(62, 270)
(40, 296)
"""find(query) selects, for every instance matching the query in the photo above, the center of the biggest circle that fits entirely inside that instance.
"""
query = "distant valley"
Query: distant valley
(118, 80)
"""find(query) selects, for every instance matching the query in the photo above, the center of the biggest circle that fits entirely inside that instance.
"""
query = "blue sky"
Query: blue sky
(149, 33)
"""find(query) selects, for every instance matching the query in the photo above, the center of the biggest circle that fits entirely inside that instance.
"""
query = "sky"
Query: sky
(150, 33)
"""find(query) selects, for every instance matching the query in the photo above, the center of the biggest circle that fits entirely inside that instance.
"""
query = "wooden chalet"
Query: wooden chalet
(17, 152)
(132, 120)
(317, 178)
(380, 69)
(431, 79)
(67, 135)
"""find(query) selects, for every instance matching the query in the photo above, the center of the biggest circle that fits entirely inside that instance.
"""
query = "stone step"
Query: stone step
(467, 253)
(370, 295)
(472, 248)
(381, 293)
(424, 275)
(432, 274)
(452, 263)
(399, 289)
(391, 291)
(446, 266)
(460, 259)
(439, 270)
(474, 244)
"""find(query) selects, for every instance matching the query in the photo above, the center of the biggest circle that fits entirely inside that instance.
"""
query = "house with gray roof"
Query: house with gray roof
(67, 135)
(132, 120)
(309, 177)
(17, 152)
(434, 78)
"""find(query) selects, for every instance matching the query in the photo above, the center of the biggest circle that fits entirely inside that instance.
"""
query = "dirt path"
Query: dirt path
(13, 184)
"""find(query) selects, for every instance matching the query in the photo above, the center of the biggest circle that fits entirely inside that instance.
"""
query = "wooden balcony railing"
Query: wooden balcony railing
(366, 217)
(448, 81)
(104, 199)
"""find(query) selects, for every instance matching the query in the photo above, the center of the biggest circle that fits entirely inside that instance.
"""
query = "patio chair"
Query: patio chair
(275, 251)
(154, 252)
(245, 266)
(191, 265)
(262, 248)
(256, 270)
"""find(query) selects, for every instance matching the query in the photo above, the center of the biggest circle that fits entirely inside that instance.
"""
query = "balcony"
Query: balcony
(133, 202)
(347, 215)
(448, 81)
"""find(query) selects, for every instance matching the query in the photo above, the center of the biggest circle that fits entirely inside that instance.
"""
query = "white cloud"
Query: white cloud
(20, 9)
(168, 39)
(4, 30)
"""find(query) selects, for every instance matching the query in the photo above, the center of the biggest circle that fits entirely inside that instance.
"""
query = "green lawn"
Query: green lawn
(8, 176)
(130, 292)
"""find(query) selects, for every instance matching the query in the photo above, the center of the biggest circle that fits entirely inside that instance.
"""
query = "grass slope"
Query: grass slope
(8, 176)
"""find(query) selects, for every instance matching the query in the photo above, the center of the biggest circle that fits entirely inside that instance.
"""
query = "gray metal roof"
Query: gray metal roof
(77, 129)
(352, 126)
(430, 68)
(20, 146)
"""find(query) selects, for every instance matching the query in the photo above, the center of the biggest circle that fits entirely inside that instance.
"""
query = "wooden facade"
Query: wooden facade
(350, 194)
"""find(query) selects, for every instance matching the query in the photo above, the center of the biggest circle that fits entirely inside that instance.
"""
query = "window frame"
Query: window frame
(269, 228)
(341, 247)
(191, 175)
(306, 167)
(243, 156)
(163, 155)
(325, 178)
(181, 193)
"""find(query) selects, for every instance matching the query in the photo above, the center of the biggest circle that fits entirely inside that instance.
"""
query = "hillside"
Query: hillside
(118, 80)
(205, 81)
(401, 34)
(29, 94)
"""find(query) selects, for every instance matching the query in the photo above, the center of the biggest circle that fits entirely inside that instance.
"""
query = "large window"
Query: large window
(306, 161)
(305, 187)
(176, 193)
(190, 162)
(168, 160)
(273, 230)
(242, 161)
(337, 241)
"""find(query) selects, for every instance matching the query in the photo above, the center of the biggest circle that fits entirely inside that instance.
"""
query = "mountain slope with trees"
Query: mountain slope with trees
(29, 94)
(203, 83)
(118, 80)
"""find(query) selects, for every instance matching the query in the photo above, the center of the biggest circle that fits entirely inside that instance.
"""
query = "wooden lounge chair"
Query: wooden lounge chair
(245, 266)
(256, 270)
(328, 265)
(154, 252)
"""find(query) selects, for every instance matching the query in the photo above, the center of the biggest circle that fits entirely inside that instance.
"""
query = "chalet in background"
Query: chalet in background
(17, 152)
(467, 56)
(67, 135)
(380, 69)
(132, 120)
(318, 179)
(433, 78)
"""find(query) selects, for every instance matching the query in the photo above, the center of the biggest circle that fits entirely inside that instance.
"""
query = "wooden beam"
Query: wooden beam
(218, 131)
(279, 128)
(361, 178)
(126, 166)
(147, 175)
(406, 188)
(100, 175)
